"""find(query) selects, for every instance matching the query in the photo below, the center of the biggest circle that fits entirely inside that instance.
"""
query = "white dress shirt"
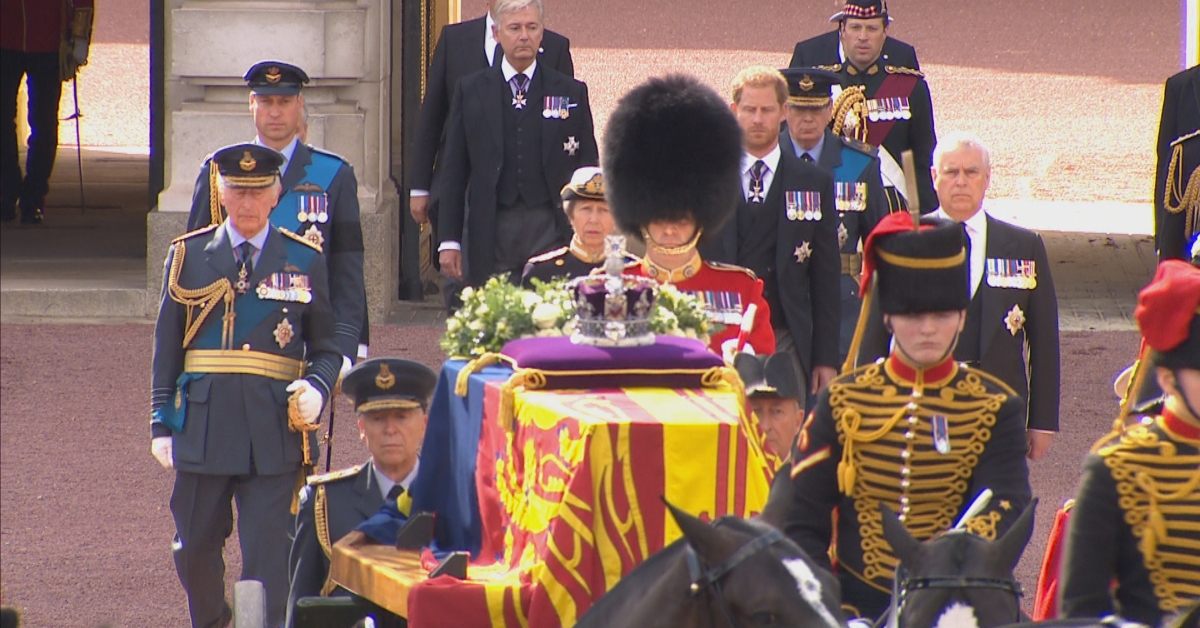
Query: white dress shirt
(814, 152)
(771, 160)
(386, 483)
(258, 241)
(977, 231)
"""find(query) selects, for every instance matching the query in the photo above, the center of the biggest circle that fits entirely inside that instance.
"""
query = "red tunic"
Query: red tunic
(36, 25)
(725, 290)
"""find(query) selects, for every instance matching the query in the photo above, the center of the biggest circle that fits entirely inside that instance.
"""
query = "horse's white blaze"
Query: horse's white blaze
(957, 615)
(810, 588)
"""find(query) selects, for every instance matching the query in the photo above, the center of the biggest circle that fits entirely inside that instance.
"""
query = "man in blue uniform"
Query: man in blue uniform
(392, 399)
(319, 199)
(244, 359)
(857, 187)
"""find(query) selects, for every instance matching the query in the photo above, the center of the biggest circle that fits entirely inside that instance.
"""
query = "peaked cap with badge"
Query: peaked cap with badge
(248, 165)
(1134, 518)
(270, 78)
(389, 383)
(810, 87)
(586, 183)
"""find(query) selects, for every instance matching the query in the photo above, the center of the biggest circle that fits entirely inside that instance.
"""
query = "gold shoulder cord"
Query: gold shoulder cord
(851, 101)
(205, 298)
(214, 202)
(321, 521)
(1179, 197)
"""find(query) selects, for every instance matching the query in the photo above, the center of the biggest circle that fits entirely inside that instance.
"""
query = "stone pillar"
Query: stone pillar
(344, 46)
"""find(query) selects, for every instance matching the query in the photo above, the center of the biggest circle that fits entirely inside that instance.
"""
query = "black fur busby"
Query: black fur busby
(772, 377)
(672, 149)
(924, 270)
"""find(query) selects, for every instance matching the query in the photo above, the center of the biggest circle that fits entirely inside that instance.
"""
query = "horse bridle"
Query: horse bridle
(709, 580)
(901, 588)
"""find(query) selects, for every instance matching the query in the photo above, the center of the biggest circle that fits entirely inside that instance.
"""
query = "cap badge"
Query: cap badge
(384, 380)
(806, 83)
(594, 186)
(273, 75)
(247, 163)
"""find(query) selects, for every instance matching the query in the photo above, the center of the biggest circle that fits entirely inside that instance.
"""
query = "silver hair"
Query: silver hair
(955, 140)
(504, 7)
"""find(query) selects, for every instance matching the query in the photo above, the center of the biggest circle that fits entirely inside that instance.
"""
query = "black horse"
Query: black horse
(734, 573)
(957, 578)
(1187, 618)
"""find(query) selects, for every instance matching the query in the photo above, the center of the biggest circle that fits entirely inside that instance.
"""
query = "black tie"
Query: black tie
(757, 189)
(395, 493)
(807, 157)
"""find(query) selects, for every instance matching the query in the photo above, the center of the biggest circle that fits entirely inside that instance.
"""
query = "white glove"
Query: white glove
(163, 451)
(346, 365)
(729, 348)
(310, 401)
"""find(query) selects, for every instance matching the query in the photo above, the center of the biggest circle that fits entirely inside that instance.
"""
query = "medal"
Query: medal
(243, 283)
(301, 214)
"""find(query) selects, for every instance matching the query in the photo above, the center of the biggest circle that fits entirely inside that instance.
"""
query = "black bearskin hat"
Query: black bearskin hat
(672, 148)
(923, 270)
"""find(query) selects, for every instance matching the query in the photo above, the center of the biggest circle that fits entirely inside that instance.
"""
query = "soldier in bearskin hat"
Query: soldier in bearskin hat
(915, 430)
(672, 160)
(1136, 519)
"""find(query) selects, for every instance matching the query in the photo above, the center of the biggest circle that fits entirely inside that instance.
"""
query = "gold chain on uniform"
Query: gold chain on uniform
(851, 101)
(1179, 198)
(866, 412)
(205, 298)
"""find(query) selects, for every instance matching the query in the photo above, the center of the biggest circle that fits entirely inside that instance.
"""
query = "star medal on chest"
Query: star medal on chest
(284, 332)
(802, 252)
(1014, 320)
(843, 235)
(314, 235)
(571, 145)
(941, 434)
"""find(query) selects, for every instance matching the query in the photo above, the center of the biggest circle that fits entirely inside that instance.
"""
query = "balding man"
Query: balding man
(1011, 329)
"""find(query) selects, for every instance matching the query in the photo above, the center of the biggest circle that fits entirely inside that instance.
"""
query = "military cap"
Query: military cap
(769, 377)
(918, 269)
(275, 78)
(810, 87)
(1168, 313)
(672, 150)
(864, 10)
(248, 165)
(389, 383)
(586, 183)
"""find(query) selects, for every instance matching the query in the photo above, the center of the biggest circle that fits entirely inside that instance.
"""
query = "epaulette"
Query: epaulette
(1183, 138)
(991, 378)
(327, 153)
(192, 234)
(896, 69)
(301, 239)
(333, 476)
(861, 147)
(549, 255)
(730, 267)
(836, 67)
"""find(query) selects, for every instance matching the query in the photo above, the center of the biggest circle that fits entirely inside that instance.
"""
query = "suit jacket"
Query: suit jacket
(474, 158)
(341, 235)
(1010, 320)
(351, 496)
(234, 422)
(823, 50)
(1180, 116)
(806, 265)
(459, 53)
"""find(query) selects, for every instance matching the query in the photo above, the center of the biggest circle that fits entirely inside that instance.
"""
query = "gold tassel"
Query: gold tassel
(301, 480)
(1136, 378)
(461, 384)
(214, 201)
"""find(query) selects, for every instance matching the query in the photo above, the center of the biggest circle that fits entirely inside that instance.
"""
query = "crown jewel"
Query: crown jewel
(612, 309)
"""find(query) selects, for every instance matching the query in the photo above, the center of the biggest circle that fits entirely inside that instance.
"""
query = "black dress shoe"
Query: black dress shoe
(31, 217)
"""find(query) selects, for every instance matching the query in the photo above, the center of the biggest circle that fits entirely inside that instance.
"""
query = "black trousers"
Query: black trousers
(523, 231)
(202, 507)
(45, 89)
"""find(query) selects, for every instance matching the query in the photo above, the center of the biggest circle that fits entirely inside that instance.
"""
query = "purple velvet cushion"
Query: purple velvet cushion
(671, 362)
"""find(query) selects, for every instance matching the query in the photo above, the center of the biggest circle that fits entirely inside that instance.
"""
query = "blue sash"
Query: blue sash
(309, 195)
(853, 164)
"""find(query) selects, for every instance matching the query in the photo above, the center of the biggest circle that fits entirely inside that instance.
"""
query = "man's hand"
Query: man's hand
(163, 451)
(308, 400)
(451, 262)
(418, 206)
(1039, 443)
(821, 377)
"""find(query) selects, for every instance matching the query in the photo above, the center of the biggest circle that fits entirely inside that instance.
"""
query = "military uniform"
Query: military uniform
(923, 441)
(1136, 518)
(319, 202)
(230, 338)
(859, 196)
(725, 291)
(1176, 211)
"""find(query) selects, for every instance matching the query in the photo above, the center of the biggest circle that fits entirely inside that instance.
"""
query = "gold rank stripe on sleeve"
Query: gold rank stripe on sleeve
(890, 455)
(1159, 490)
(333, 475)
